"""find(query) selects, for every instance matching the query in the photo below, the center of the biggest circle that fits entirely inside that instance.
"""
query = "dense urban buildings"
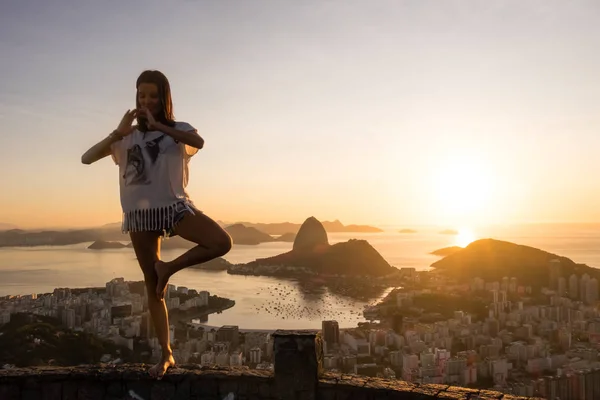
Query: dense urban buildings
(512, 338)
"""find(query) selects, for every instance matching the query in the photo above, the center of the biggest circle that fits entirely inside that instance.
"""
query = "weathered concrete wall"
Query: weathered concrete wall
(192, 382)
(298, 376)
(133, 382)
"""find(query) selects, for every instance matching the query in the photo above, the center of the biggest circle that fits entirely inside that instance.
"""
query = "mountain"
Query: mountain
(288, 227)
(17, 237)
(6, 227)
(286, 237)
(217, 264)
(112, 233)
(175, 242)
(446, 251)
(241, 234)
(312, 251)
(113, 225)
(101, 245)
(311, 236)
(492, 259)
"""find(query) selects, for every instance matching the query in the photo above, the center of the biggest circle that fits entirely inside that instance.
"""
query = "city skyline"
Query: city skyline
(393, 113)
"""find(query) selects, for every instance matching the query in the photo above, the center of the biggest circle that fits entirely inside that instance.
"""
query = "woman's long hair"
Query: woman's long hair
(166, 116)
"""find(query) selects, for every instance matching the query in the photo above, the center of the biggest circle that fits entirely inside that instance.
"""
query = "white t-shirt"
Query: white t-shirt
(153, 175)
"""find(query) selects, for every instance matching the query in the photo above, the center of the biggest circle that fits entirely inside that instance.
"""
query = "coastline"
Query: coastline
(183, 316)
(359, 288)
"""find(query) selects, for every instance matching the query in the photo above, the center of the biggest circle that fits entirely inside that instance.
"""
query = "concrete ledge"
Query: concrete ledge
(298, 375)
(131, 381)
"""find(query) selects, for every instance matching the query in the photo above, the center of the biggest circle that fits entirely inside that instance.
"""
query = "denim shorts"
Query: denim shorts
(176, 215)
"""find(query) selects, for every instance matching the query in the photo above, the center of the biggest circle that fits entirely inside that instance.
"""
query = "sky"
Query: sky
(377, 112)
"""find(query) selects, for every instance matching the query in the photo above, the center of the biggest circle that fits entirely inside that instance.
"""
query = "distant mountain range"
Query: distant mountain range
(280, 228)
(5, 227)
(241, 233)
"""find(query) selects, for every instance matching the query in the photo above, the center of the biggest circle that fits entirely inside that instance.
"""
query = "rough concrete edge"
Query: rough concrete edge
(139, 372)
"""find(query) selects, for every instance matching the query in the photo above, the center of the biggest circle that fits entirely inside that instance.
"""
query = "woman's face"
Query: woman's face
(148, 97)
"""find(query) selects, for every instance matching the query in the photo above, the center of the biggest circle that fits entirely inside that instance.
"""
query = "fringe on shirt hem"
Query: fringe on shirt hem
(161, 219)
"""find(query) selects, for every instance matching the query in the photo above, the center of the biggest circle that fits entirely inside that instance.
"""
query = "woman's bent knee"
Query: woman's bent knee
(224, 245)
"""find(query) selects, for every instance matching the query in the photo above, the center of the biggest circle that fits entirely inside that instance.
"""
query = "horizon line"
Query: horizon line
(389, 225)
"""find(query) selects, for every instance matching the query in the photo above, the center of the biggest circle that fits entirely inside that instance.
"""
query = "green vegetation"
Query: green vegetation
(36, 340)
(447, 304)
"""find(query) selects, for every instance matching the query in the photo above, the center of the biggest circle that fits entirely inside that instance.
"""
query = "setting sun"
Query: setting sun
(464, 237)
(462, 187)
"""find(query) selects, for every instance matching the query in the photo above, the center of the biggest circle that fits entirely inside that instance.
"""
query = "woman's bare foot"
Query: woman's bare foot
(162, 272)
(159, 370)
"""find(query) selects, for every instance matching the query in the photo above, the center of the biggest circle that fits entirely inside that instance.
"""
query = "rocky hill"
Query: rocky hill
(311, 236)
(311, 250)
(242, 234)
(492, 259)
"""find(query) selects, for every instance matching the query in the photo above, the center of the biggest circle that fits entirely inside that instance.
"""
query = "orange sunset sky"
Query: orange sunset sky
(375, 112)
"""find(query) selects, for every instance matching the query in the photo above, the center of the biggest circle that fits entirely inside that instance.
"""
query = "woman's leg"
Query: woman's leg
(147, 250)
(212, 242)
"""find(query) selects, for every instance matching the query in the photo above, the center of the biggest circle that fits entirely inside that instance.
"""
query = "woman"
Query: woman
(153, 159)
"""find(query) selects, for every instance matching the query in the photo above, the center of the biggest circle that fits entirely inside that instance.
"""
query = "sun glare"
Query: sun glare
(462, 187)
(465, 237)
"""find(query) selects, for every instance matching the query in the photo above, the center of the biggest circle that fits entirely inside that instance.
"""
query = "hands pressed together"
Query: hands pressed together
(126, 125)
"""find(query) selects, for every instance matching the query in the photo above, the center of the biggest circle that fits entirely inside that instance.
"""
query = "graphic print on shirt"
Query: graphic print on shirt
(140, 161)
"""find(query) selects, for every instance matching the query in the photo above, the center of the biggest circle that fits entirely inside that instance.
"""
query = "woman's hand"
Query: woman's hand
(125, 126)
(150, 121)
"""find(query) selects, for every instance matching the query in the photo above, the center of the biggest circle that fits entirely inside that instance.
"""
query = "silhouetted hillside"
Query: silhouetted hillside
(446, 251)
(287, 237)
(241, 234)
(312, 250)
(311, 236)
(101, 245)
(5, 227)
(29, 340)
(492, 259)
(280, 228)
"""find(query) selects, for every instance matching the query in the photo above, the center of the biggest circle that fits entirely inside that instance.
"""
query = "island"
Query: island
(101, 245)
(342, 266)
(407, 231)
(217, 264)
(446, 251)
(312, 254)
(492, 259)
(449, 232)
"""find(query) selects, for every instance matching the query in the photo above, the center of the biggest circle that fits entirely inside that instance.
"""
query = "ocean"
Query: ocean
(269, 303)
